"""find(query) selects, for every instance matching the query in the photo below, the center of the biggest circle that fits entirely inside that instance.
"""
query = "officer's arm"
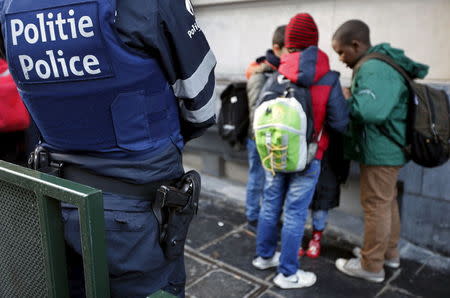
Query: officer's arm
(167, 30)
(189, 63)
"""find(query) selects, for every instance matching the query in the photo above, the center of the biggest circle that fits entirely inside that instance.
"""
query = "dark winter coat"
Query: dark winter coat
(334, 172)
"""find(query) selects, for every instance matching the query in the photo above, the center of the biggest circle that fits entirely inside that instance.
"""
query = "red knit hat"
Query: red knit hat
(301, 32)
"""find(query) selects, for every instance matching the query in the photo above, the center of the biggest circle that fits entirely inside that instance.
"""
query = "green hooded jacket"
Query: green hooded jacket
(379, 98)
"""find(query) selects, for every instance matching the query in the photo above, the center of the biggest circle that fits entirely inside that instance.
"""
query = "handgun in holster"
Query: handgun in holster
(40, 160)
(174, 208)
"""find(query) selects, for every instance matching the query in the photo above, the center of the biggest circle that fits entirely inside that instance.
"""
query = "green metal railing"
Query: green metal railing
(32, 251)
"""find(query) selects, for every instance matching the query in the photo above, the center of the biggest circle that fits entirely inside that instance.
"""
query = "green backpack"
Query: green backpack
(283, 131)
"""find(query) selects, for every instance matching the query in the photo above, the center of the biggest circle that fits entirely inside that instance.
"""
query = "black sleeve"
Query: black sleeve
(167, 29)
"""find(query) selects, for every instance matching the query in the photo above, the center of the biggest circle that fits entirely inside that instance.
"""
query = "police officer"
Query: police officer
(116, 88)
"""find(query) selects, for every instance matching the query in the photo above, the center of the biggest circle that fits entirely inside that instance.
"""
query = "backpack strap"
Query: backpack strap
(384, 58)
(384, 131)
(391, 62)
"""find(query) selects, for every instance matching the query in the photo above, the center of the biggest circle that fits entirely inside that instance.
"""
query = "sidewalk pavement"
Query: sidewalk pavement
(219, 251)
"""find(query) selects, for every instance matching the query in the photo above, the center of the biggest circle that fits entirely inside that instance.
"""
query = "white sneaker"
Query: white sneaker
(357, 252)
(301, 279)
(263, 264)
(353, 268)
(392, 263)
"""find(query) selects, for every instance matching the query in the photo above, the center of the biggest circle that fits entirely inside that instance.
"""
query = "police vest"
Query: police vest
(83, 87)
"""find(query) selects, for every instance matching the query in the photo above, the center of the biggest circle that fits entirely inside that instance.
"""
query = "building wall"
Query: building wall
(240, 30)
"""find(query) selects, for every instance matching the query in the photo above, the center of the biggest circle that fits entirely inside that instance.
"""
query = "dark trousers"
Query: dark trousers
(136, 262)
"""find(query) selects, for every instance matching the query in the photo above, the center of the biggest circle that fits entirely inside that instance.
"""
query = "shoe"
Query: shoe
(314, 245)
(263, 264)
(313, 249)
(391, 263)
(301, 252)
(353, 268)
(301, 279)
(252, 226)
(356, 251)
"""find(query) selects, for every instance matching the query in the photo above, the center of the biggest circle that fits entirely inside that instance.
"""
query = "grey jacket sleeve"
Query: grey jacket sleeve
(254, 87)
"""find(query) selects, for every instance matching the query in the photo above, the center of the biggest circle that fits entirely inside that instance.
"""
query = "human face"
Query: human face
(277, 50)
(348, 54)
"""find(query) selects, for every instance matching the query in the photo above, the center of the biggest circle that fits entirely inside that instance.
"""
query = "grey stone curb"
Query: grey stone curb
(346, 230)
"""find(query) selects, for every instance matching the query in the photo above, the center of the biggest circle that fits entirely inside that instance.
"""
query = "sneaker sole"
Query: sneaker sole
(357, 253)
(269, 266)
(295, 286)
(392, 266)
(343, 270)
(264, 267)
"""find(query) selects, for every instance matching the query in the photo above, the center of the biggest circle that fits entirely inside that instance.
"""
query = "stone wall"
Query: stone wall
(426, 206)
(241, 30)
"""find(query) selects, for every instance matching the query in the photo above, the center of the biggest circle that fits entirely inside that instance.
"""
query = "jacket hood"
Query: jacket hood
(414, 69)
(272, 59)
(305, 68)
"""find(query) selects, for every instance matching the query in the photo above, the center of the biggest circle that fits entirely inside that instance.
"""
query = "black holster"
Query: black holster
(174, 207)
(40, 160)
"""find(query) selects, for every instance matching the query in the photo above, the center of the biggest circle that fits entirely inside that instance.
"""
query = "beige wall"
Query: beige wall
(240, 30)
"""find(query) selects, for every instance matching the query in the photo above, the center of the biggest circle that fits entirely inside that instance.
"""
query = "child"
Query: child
(378, 102)
(257, 74)
(306, 66)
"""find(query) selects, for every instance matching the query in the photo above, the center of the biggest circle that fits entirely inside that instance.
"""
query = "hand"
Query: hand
(347, 93)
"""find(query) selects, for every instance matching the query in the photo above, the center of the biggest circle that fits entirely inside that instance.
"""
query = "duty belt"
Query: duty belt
(109, 184)
(41, 160)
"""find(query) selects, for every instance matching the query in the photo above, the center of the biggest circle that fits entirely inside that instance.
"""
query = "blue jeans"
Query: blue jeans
(255, 184)
(296, 191)
(319, 219)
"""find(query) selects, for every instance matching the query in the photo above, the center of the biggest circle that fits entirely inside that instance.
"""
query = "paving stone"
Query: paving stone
(426, 283)
(331, 252)
(392, 293)
(238, 250)
(231, 214)
(330, 283)
(269, 294)
(195, 269)
(220, 284)
(205, 229)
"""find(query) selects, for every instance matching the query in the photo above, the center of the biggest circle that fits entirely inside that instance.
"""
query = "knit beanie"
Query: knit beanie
(301, 32)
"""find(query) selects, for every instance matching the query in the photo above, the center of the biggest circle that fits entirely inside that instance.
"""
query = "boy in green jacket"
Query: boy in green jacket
(378, 97)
